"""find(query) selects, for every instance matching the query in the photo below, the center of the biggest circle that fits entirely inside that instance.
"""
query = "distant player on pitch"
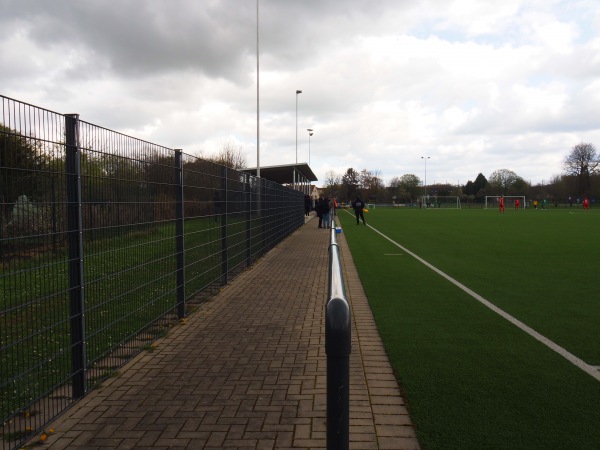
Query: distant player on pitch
(358, 205)
(517, 204)
(501, 204)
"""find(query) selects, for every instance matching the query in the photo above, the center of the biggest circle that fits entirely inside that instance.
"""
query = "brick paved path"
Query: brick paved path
(248, 370)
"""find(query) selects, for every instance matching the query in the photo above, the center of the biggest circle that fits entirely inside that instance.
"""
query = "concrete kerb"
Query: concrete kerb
(372, 370)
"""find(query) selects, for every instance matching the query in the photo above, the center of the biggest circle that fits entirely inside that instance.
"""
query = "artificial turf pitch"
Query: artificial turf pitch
(471, 379)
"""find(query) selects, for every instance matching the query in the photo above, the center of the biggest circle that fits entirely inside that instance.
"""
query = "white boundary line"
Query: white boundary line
(590, 370)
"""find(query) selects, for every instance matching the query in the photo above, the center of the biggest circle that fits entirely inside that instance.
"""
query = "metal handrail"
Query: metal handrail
(337, 347)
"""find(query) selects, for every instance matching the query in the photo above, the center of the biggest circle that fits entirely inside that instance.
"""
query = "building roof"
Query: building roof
(284, 174)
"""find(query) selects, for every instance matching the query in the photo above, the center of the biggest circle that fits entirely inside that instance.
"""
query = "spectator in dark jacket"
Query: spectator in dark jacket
(319, 210)
(307, 205)
(358, 205)
(326, 211)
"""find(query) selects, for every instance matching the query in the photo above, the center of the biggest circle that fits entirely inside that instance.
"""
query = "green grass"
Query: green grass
(130, 283)
(471, 379)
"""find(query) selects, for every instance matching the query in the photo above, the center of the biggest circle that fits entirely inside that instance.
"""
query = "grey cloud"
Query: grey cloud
(377, 76)
(140, 39)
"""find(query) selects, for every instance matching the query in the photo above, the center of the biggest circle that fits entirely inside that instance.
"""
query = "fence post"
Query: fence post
(262, 215)
(248, 188)
(337, 347)
(224, 211)
(179, 233)
(75, 242)
(2, 227)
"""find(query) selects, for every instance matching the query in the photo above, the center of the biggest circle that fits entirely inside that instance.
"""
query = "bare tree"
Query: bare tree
(394, 182)
(371, 184)
(231, 155)
(332, 179)
(582, 163)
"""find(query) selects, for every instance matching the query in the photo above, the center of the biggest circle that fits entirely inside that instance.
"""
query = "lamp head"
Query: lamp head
(298, 91)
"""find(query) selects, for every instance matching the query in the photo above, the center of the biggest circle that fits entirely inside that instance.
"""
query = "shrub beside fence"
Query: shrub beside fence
(105, 242)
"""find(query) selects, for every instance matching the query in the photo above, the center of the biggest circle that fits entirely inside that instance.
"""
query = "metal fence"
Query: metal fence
(106, 241)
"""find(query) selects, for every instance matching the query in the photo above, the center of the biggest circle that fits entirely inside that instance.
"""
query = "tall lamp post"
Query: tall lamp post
(425, 158)
(257, 99)
(297, 92)
(310, 133)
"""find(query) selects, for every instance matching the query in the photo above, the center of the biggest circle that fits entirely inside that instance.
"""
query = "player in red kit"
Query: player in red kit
(586, 204)
(501, 204)
(517, 204)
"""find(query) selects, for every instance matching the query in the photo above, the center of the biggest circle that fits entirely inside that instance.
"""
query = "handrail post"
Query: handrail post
(337, 347)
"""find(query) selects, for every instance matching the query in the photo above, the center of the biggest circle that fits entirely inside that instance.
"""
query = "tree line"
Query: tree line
(115, 188)
(581, 178)
(26, 164)
(31, 167)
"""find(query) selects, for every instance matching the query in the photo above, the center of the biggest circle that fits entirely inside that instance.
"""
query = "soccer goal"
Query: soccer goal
(441, 201)
(491, 201)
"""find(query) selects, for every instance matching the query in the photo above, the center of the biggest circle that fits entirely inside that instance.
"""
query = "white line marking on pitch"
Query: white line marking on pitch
(590, 370)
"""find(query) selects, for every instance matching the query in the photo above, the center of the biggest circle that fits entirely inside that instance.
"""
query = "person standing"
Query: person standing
(501, 204)
(358, 205)
(586, 204)
(319, 210)
(517, 204)
(307, 205)
(326, 211)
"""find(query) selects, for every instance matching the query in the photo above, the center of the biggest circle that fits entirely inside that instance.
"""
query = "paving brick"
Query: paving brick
(395, 431)
(248, 369)
(392, 419)
(396, 443)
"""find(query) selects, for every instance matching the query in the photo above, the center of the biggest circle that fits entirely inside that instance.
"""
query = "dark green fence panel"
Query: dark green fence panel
(106, 241)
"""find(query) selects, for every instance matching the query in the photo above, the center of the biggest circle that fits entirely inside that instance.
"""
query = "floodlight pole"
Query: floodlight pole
(297, 92)
(257, 99)
(310, 133)
(425, 158)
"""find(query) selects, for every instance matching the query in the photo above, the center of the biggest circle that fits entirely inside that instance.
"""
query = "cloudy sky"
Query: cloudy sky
(476, 85)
